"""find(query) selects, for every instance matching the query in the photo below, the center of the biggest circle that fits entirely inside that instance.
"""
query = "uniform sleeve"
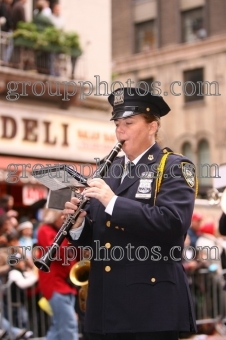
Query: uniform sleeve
(75, 233)
(170, 217)
(85, 237)
(110, 206)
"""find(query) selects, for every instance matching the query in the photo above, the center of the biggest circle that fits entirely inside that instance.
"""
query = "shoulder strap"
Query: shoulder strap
(160, 172)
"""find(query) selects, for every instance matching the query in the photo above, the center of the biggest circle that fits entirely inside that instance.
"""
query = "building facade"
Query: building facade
(47, 119)
(177, 48)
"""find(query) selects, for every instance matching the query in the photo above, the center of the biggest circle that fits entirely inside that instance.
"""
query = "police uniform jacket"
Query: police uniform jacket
(137, 282)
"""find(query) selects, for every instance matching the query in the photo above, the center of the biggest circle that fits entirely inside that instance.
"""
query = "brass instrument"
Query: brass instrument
(79, 275)
(44, 262)
(215, 197)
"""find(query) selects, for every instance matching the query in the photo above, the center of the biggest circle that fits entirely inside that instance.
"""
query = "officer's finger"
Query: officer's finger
(70, 205)
(68, 211)
(82, 213)
(75, 200)
(95, 181)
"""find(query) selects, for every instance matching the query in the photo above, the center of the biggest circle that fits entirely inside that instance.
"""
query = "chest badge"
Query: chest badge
(144, 188)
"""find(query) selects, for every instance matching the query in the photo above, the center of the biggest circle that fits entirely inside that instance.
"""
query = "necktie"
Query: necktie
(128, 167)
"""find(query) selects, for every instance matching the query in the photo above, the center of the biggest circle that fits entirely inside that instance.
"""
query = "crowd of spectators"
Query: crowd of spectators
(205, 246)
(210, 246)
(19, 273)
(17, 234)
(206, 253)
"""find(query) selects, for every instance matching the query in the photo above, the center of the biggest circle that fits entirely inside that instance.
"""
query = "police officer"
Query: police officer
(136, 224)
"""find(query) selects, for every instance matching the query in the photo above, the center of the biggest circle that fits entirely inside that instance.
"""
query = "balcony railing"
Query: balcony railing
(28, 59)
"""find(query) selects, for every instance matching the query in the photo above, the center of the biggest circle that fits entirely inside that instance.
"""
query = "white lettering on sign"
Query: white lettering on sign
(54, 136)
(32, 194)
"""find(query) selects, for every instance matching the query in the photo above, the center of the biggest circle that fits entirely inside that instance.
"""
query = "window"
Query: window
(192, 89)
(187, 151)
(148, 85)
(144, 36)
(193, 25)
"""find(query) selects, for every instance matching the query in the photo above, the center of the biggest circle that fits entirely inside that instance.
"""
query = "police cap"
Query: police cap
(130, 101)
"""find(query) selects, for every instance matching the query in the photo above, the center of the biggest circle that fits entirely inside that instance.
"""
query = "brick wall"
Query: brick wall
(217, 16)
(122, 28)
(168, 16)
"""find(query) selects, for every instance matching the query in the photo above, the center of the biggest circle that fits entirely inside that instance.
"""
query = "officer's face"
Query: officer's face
(137, 133)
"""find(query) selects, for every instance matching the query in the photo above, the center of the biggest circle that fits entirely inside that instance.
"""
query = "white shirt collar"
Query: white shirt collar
(136, 160)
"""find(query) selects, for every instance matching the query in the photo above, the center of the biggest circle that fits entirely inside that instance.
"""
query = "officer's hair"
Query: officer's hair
(151, 118)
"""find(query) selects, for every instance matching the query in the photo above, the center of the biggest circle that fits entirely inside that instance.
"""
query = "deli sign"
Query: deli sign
(54, 135)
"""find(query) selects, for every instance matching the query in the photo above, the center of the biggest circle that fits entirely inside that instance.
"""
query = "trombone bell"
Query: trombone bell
(215, 197)
(79, 273)
(79, 276)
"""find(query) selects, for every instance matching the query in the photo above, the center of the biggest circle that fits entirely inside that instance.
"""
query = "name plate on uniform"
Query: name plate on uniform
(144, 188)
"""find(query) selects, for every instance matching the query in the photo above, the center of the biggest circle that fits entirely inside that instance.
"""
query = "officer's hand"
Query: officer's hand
(70, 208)
(99, 190)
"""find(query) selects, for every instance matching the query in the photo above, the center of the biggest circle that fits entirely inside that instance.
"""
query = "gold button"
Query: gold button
(108, 223)
(108, 245)
(122, 229)
(153, 279)
(116, 227)
(107, 268)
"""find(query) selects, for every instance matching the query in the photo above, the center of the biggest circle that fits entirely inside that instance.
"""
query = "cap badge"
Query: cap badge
(119, 98)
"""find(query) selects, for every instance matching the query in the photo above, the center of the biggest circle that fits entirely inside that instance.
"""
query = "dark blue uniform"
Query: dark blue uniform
(137, 282)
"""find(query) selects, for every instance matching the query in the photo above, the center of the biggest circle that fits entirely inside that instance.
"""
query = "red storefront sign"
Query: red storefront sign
(32, 194)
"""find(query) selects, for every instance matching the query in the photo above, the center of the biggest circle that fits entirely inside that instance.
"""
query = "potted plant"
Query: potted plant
(25, 35)
(46, 41)
(72, 48)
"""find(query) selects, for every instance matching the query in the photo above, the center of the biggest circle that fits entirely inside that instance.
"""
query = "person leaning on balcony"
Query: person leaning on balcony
(58, 23)
(18, 12)
(46, 10)
(142, 293)
(6, 12)
(41, 20)
(56, 17)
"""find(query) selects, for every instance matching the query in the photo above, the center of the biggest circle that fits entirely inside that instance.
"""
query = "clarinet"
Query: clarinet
(44, 262)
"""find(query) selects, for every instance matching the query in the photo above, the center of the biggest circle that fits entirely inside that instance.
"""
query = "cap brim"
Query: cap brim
(123, 114)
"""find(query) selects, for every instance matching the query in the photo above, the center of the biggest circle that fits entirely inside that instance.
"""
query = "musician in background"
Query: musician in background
(135, 225)
(222, 231)
(55, 286)
(222, 224)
